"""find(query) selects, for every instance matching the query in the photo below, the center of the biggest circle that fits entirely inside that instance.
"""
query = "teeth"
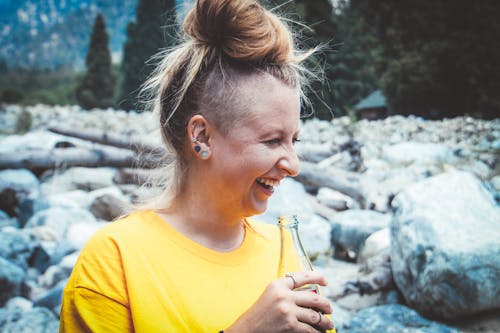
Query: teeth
(268, 182)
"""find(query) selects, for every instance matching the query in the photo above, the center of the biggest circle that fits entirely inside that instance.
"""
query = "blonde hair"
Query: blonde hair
(224, 41)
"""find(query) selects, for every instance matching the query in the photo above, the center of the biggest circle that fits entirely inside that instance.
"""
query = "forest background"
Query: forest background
(433, 59)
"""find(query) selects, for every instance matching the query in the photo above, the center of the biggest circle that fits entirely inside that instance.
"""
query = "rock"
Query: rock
(352, 227)
(28, 207)
(444, 246)
(392, 318)
(16, 186)
(11, 279)
(376, 243)
(52, 298)
(336, 200)
(79, 233)
(58, 220)
(339, 316)
(314, 152)
(107, 207)
(52, 276)
(79, 178)
(414, 152)
(19, 303)
(68, 262)
(17, 246)
(39, 259)
(291, 198)
(36, 320)
(7, 221)
(72, 199)
(22, 181)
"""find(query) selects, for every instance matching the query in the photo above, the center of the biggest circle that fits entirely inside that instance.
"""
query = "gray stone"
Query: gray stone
(79, 178)
(79, 233)
(7, 221)
(336, 200)
(36, 320)
(20, 303)
(392, 318)
(11, 279)
(22, 181)
(415, 152)
(445, 246)
(17, 246)
(107, 207)
(291, 198)
(52, 298)
(352, 227)
(58, 220)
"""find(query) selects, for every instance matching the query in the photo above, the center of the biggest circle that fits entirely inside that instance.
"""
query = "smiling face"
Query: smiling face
(258, 150)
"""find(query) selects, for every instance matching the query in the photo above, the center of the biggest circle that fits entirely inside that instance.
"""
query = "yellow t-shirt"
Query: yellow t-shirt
(138, 274)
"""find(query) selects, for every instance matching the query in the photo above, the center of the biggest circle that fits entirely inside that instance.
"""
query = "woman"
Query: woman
(229, 106)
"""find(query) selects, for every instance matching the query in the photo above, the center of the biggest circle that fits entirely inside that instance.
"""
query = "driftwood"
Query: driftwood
(342, 181)
(106, 139)
(125, 153)
(70, 157)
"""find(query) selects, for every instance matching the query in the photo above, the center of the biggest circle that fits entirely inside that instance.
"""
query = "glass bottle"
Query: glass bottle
(293, 256)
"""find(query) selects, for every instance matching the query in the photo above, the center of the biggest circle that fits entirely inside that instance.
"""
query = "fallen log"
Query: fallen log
(106, 139)
(72, 157)
(342, 181)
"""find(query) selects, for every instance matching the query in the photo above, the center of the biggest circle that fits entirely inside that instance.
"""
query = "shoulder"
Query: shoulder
(109, 239)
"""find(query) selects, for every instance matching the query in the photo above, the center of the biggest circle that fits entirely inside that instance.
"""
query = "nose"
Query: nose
(289, 163)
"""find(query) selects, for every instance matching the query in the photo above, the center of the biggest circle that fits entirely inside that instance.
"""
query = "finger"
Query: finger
(303, 278)
(315, 319)
(307, 299)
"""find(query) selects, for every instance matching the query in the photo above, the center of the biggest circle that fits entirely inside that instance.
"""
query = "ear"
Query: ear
(199, 130)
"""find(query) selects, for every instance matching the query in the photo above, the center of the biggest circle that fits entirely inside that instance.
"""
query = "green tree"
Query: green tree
(439, 58)
(345, 64)
(96, 89)
(155, 28)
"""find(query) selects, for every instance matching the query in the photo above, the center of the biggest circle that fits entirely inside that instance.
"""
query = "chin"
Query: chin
(257, 209)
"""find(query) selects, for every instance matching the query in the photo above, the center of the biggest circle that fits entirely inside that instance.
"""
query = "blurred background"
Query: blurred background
(429, 58)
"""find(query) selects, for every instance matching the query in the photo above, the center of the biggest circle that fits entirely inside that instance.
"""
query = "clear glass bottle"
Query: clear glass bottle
(293, 256)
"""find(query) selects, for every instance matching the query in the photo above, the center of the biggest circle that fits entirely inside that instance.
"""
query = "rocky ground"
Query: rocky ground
(401, 215)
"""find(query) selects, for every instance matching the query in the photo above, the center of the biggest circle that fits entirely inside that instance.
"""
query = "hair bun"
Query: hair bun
(240, 29)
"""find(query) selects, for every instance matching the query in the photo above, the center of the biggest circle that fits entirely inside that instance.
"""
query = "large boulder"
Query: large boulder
(445, 246)
(352, 227)
(392, 318)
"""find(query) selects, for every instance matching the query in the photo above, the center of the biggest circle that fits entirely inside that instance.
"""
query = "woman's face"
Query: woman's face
(258, 152)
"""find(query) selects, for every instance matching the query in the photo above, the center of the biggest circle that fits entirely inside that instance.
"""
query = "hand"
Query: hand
(281, 309)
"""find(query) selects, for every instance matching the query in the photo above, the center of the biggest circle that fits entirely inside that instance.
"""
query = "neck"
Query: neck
(193, 215)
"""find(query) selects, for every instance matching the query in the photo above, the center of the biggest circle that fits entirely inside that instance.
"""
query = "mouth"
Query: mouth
(267, 183)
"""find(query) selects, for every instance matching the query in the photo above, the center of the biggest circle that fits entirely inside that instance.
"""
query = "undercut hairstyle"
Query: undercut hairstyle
(223, 42)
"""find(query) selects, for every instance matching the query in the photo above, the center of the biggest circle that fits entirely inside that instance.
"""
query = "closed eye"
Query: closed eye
(272, 142)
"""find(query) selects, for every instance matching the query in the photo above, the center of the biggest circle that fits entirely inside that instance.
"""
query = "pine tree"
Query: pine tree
(440, 58)
(345, 64)
(155, 28)
(96, 89)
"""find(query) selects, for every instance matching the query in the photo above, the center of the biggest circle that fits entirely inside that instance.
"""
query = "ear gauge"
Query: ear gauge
(204, 154)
